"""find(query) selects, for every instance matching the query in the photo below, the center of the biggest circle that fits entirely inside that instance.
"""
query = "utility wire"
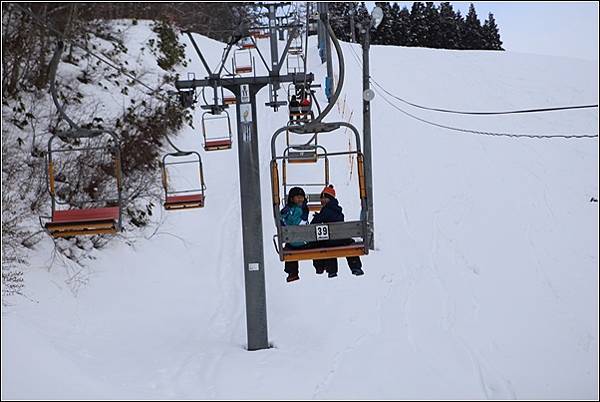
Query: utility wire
(548, 109)
(488, 133)
(538, 110)
(463, 130)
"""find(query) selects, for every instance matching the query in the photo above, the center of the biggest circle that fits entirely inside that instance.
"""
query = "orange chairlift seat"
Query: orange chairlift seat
(223, 141)
(187, 198)
(84, 221)
(351, 238)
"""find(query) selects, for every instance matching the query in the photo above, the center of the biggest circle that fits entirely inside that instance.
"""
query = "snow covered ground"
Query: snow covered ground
(484, 284)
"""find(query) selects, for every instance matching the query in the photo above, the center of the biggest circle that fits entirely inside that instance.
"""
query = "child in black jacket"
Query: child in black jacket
(331, 211)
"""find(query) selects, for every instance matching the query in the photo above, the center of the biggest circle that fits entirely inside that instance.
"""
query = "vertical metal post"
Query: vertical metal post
(367, 130)
(352, 17)
(252, 234)
(329, 79)
(274, 48)
(321, 33)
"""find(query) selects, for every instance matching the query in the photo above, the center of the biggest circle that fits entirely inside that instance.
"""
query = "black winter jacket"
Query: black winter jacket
(331, 212)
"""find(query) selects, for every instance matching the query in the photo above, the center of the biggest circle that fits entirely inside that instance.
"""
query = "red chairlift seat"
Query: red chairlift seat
(214, 145)
(229, 100)
(87, 221)
(243, 69)
(184, 201)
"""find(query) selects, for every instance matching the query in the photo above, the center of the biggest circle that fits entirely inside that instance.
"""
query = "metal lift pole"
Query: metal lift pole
(252, 233)
(329, 78)
(321, 33)
(245, 89)
(366, 45)
(274, 42)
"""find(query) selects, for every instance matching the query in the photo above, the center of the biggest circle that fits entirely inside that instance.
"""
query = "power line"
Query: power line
(548, 109)
(478, 132)
(488, 133)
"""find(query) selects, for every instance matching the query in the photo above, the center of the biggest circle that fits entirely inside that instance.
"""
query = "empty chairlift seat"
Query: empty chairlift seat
(187, 198)
(229, 100)
(242, 61)
(88, 221)
(184, 201)
(220, 123)
(104, 217)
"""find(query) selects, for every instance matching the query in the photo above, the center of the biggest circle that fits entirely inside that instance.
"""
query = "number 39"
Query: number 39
(322, 232)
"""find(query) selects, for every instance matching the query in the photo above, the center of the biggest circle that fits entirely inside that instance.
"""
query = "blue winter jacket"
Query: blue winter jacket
(293, 214)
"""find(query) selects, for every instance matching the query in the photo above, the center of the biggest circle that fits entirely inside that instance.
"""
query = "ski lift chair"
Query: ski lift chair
(105, 219)
(355, 234)
(294, 63)
(247, 43)
(240, 67)
(188, 198)
(296, 46)
(300, 114)
(219, 142)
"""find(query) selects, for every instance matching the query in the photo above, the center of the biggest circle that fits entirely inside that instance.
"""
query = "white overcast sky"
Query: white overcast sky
(551, 28)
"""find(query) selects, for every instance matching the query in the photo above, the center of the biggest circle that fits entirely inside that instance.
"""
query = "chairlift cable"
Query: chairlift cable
(536, 110)
(487, 133)
(479, 132)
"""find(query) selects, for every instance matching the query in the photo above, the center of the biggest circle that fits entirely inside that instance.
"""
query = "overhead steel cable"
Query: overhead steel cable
(485, 113)
(538, 110)
(488, 133)
(478, 132)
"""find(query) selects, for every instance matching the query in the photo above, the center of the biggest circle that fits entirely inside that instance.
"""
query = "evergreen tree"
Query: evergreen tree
(339, 18)
(432, 20)
(401, 27)
(491, 35)
(472, 32)
(362, 19)
(449, 28)
(418, 27)
(460, 29)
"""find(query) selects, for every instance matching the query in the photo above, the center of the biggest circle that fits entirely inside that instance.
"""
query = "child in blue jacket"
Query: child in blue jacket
(295, 212)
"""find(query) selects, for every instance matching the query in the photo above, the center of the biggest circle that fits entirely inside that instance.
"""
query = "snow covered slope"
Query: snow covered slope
(484, 284)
